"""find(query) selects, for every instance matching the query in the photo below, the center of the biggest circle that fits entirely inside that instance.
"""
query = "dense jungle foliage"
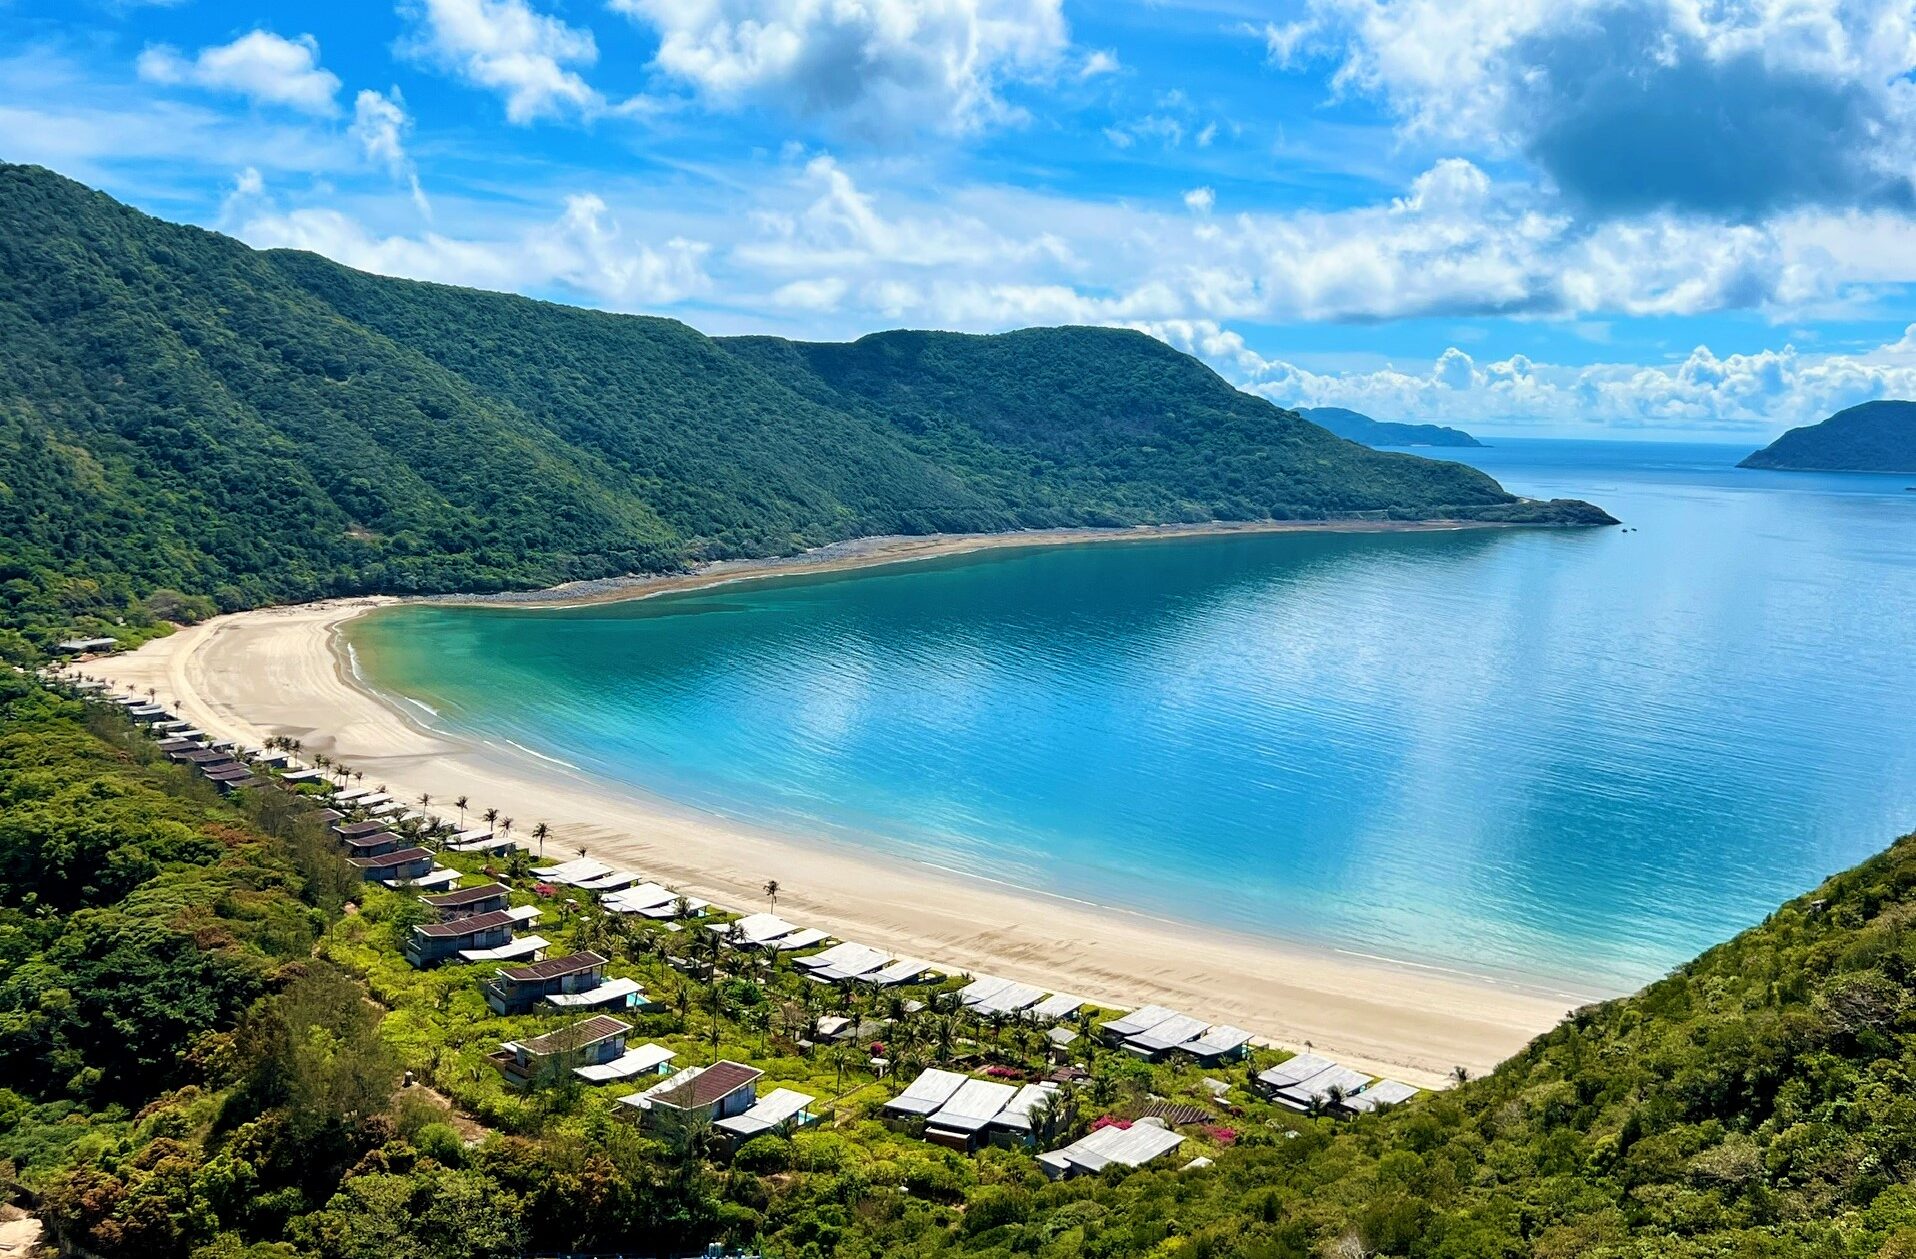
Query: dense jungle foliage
(203, 1051)
(179, 413)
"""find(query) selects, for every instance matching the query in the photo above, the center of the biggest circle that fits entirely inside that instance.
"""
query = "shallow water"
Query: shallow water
(1577, 757)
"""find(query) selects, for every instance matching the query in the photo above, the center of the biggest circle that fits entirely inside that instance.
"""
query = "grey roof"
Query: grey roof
(1167, 1034)
(1132, 1147)
(932, 1089)
(1319, 1086)
(1382, 1093)
(975, 1104)
(1293, 1070)
(1141, 1020)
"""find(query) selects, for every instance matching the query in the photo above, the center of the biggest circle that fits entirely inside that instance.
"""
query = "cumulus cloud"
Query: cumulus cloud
(1738, 108)
(883, 66)
(1200, 200)
(1750, 394)
(261, 66)
(584, 250)
(529, 58)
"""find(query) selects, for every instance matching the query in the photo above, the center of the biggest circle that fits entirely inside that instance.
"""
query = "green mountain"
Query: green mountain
(1872, 437)
(195, 1071)
(179, 413)
(1358, 427)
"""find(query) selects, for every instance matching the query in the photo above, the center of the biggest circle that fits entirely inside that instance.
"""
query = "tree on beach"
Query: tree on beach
(460, 804)
(539, 833)
(771, 893)
(492, 818)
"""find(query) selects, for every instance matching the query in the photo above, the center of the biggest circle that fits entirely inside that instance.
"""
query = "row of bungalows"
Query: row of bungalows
(218, 764)
(962, 1113)
(380, 855)
(652, 900)
(1154, 1033)
(1310, 1082)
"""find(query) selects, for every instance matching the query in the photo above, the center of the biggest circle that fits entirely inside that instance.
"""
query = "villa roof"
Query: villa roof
(405, 856)
(699, 1088)
(576, 1036)
(467, 926)
(553, 967)
(465, 896)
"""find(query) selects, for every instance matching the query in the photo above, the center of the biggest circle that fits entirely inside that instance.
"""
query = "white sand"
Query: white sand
(280, 671)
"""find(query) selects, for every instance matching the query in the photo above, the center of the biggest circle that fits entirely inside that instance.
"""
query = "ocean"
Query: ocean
(1569, 757)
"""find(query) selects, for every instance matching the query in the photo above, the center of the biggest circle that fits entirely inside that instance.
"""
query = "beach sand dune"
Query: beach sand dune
(284, 671)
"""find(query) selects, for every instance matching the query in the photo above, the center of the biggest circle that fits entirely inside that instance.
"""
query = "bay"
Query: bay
(1573, 757)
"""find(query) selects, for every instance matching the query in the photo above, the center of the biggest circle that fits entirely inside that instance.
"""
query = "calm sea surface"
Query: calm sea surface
(1575, 757)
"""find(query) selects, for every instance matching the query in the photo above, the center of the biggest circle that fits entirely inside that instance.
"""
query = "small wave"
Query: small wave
(542, 756)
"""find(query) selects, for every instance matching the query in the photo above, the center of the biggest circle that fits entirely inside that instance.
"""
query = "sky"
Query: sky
(1625, 218)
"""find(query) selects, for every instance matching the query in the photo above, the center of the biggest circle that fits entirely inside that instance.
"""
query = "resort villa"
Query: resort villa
(721, 1091)
(574, 981)
(392, 867)
(599, 1039)
(476, 938)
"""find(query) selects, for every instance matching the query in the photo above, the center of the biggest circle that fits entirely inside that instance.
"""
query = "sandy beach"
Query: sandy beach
(281, 671)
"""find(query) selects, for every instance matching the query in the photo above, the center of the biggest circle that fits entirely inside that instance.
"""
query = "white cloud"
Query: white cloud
(1748, 394)
(508, 47)
(380, 124)
(584, 250)
(1098, 61)
(261, 66)
(1200, 200)
(880, 66)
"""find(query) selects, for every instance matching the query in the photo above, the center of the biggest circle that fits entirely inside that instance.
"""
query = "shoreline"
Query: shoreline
(902, 548)
(284, 671)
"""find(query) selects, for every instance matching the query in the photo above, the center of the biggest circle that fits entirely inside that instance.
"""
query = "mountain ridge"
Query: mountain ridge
(182, 414)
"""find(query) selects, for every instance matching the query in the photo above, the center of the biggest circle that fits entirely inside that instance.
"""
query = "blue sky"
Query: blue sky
(1586, 217)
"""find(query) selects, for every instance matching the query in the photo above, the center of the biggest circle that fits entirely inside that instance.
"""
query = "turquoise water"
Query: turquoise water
(1576, 757)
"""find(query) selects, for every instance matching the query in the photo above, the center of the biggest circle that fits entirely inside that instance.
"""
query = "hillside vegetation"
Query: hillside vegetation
(1872, 437)
(1358, 427)
(184, 419)
(194, 1072)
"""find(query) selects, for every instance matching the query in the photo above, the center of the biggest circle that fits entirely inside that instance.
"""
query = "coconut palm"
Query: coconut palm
(460, 804)
(492, 818)
(771, 893)
(539, 833)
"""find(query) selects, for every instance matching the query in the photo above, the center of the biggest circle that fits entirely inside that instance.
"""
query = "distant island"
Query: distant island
(1871, 437)
(1358, 427)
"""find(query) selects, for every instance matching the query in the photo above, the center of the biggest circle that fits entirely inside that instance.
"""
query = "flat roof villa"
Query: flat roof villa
(348, 830)
(1134, 1146)
(651, 900)
(720, 1091)
(647, 1059)
(589, 1042)
(843, 962)
(476, 937)
(1293, 1070)
(960, 1113)
(960, 1123)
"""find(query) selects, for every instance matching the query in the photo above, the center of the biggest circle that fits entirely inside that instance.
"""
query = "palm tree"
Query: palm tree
(359, 775)
(425, 800)
(1460, 1074)
(539, 833)
(460, 804)
(581, 851)
(492, 818)
(771, 892)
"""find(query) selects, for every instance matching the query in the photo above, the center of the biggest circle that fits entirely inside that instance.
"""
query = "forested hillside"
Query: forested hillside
(1869, 437)
(183, 415)
(194, 1072)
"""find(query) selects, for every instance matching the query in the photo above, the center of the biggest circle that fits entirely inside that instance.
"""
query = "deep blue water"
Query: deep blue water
(1573, 756)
